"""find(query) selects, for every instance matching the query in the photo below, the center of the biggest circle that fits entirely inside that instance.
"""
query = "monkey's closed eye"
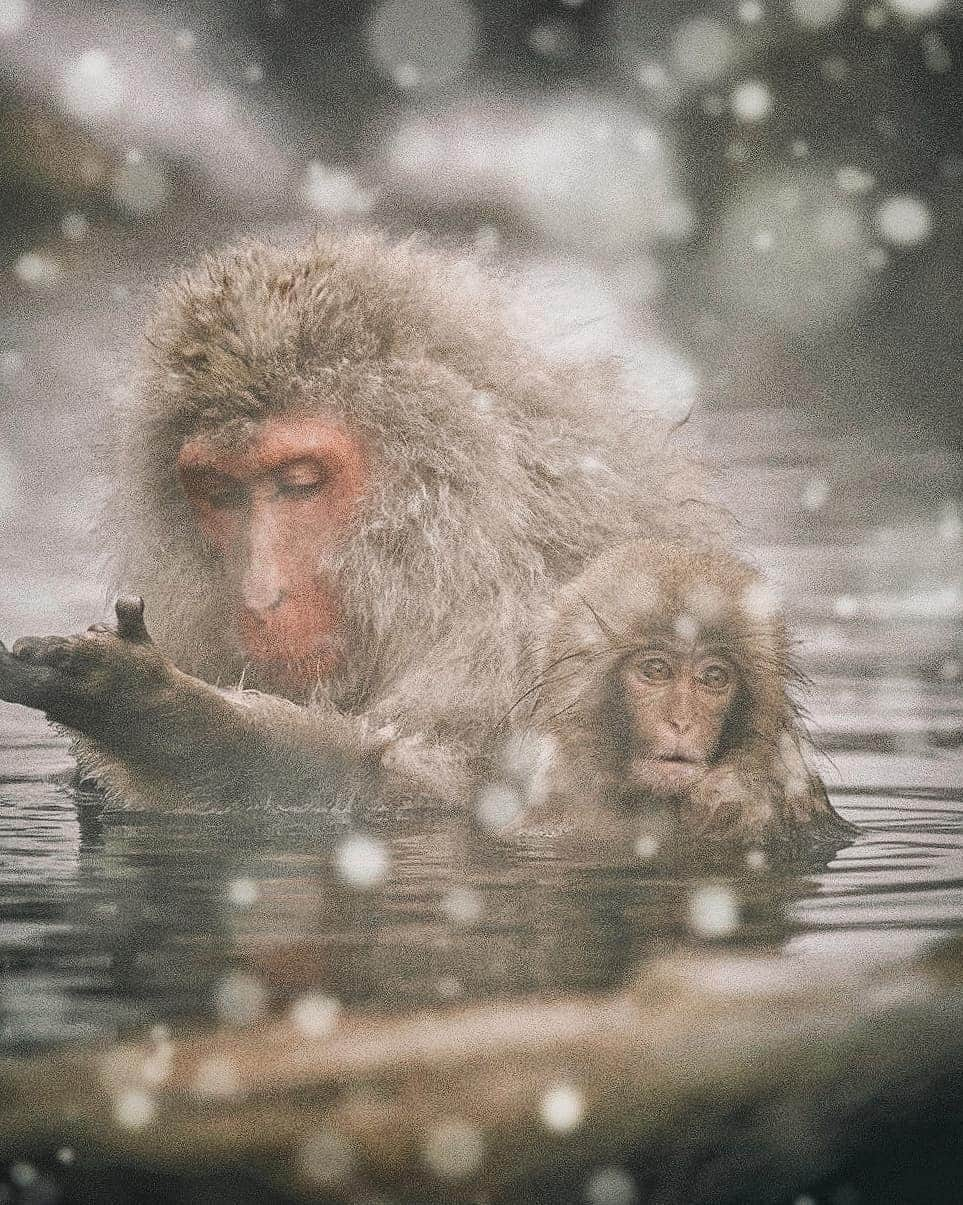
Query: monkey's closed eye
(304, 480)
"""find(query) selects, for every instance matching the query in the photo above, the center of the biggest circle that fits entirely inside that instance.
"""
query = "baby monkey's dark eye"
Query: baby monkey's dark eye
(655, 669)
(716, 675)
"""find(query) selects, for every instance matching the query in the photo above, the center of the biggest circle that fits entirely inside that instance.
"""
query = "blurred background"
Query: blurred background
(758, 203)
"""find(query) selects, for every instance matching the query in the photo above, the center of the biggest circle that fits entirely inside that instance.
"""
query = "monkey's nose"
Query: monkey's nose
(262, 591)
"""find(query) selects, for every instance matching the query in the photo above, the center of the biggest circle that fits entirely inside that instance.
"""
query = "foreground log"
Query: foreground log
(712, 1078)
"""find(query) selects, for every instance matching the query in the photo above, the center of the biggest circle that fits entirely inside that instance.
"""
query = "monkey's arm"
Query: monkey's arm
(762, 791)
(153, 733)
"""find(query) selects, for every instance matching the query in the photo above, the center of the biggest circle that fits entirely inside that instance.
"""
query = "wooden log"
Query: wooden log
(715, 1078)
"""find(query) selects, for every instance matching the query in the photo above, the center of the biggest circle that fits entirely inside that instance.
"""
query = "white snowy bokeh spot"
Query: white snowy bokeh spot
(92, 85)
(812, 14)
(454, 1149)
(11, 365)
(647, 846)
(904, 220)
(687, 628)
(450, 988)
(526, 760)
(553, 39)
(134, 1109)
(705, 602)
(23, 1174)
(814, 495)
(9, 482)
(158, 1062)
(315, 1014)
(326, 1159)
(713, 911)
(217, 1077)
(763, 240)
(703, 49)
(611, 1186)
(242, 892)
(361, 861)
(240, 998)
(751, 101)
(328, 190)
(750, 12)
(463, 905)
(845, 606)
(498, 804)
(184, 38)
(949, 525)
(422, 42)
(74, 226)
(917, 10)
(936, 54)
(562, 1107)
(14, 15)
(855, 179)
(37, 270)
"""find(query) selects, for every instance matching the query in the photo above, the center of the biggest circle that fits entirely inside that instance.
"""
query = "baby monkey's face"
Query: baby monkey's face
(679, 701)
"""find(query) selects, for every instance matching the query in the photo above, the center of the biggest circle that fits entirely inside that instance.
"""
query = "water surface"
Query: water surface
(114, 923)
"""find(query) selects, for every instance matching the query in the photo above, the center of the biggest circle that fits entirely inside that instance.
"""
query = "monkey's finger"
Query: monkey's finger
(26, 684)
(101, 629)
(130, 619)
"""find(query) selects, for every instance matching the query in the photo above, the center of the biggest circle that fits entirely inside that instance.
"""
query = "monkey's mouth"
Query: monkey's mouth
(664, 772)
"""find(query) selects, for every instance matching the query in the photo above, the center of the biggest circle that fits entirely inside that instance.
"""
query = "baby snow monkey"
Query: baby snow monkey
(663, 688)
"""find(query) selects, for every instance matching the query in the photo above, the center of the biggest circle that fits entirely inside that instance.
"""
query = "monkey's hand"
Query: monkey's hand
(101, 683)
(733, 801)
(153, 734)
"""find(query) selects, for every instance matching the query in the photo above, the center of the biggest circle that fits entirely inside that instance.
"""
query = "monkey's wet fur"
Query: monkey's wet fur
(349, 485)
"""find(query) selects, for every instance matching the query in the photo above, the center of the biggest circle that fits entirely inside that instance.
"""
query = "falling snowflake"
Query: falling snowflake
(240, 998)
(315, 1014)
(562, 1107)
(361, 861)
(713, 911)
(904, 220)
(454, 1149)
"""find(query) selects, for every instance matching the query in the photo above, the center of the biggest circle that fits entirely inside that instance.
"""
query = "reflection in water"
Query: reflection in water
(116, 923)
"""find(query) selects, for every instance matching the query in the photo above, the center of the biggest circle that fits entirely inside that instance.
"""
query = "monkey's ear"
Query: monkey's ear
(130, 619)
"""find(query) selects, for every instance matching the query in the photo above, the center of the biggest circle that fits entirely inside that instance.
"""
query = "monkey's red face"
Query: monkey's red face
(679, 701)
(270, 510)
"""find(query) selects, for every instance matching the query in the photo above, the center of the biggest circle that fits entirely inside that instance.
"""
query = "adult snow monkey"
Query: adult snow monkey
(346, 483)
(665, 679)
